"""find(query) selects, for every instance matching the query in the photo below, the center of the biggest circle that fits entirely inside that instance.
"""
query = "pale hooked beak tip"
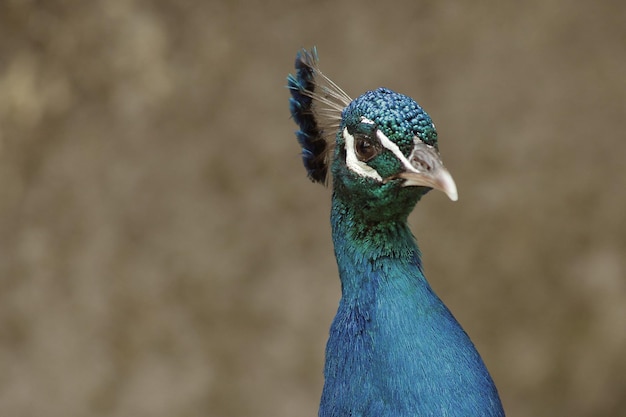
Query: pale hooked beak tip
(446, 184)
(439, 179)
(454, 196)
(424, 168)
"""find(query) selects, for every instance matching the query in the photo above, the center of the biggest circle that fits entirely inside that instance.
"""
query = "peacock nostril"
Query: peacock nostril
(421, 165)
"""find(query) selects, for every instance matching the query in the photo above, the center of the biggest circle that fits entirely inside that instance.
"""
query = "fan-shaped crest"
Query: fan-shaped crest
(316, 105)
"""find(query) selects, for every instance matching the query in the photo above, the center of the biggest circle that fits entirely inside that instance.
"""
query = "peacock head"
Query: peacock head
(381, 147)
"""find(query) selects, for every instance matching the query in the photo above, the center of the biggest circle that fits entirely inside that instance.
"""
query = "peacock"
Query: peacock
(394, 349)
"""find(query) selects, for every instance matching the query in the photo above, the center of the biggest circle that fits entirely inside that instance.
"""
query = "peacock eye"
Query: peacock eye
(365, 150)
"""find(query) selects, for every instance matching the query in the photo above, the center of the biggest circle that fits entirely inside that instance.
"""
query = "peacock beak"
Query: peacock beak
(428, 171)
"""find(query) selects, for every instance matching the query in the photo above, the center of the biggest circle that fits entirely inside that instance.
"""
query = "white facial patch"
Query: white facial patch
(388, 144)
(362, 168)
(353, 163)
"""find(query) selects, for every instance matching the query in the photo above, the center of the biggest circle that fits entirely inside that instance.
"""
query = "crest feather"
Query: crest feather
(316, 105)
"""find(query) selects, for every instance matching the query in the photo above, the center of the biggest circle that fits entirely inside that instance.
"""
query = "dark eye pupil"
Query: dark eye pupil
(365, 150)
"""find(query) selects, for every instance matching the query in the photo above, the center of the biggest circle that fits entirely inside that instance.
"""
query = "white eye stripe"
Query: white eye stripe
(363, 169)
(387, 143)
(353, 163)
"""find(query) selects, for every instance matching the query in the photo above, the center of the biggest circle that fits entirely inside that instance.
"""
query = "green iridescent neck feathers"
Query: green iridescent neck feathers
(394, 348)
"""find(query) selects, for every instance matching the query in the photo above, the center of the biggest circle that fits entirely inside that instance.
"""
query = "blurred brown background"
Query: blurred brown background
(163, 254)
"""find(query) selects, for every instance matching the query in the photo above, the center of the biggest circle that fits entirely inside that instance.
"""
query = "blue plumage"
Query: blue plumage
(301, 106)
(394, 349)
(397, 115)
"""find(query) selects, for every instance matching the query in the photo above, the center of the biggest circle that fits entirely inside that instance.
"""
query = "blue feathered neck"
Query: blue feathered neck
(394, 348)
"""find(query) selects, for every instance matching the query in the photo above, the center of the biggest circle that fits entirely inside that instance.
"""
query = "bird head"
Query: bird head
(382, 147)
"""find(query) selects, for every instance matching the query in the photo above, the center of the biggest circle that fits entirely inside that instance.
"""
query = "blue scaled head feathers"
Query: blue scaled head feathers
(380, 138)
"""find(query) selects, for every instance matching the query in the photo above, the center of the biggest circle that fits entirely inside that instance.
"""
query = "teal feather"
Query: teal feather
(394, 350)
